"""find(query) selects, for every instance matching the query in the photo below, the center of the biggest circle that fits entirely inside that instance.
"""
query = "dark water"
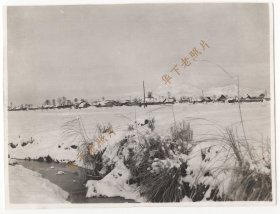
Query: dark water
(72, 181)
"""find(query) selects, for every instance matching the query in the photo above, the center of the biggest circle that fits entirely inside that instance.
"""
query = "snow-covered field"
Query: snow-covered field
(27, 186)
(212, 161)
(45, 126)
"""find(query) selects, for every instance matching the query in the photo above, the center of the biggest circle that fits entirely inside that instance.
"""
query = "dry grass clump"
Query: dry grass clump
(91, 159)
(151, 124)
(104, 128)
(251, 177)
(182, 136)
(251, 185)
(163, 186)
(158, 178)
(159, 167)
(182, 132)
(197, 192)
(88, 151)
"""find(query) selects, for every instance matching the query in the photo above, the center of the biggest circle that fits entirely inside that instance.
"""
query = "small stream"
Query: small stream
(72, 181)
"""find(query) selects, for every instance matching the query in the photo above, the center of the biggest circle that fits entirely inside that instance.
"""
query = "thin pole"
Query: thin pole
(174, 116)
(144, 94)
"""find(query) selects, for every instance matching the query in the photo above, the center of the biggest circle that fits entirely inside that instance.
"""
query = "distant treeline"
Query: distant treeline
(63, 102)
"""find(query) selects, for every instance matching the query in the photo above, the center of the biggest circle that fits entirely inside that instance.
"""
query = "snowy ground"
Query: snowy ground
(44, 130)
(45, 126)
(27, 186)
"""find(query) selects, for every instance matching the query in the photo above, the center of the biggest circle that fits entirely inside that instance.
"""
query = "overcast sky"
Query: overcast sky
(95, 51)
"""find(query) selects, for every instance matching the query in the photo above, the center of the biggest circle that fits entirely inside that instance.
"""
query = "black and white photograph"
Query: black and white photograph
(139, 104)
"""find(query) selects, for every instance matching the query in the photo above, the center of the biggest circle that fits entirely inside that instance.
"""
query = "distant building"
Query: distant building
(48, 106)
(253, 99)
(83, 104)
(207, 99)
(222, 98)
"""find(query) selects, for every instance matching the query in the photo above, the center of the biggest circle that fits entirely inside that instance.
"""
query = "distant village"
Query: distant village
(64, 103)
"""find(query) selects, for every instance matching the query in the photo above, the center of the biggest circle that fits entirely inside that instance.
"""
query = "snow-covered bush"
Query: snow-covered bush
(158, 164)
(175, 167)
(225, 170)
(162, 180)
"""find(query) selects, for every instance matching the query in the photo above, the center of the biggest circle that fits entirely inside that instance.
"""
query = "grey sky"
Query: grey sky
(95, 51)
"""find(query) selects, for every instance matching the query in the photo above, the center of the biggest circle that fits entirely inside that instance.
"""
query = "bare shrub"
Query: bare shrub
(182, 131)
(151, 124)
(130, 127)
(182, 136)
